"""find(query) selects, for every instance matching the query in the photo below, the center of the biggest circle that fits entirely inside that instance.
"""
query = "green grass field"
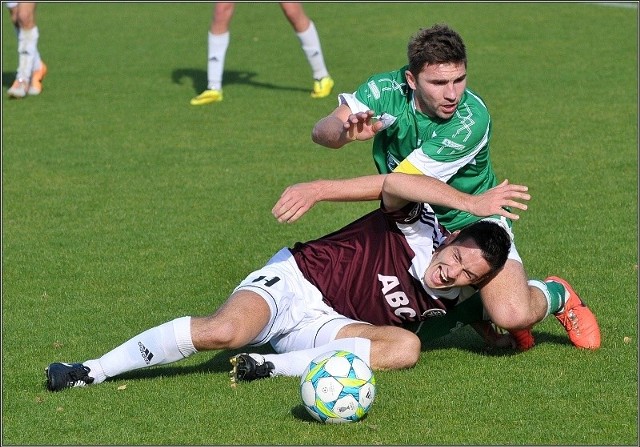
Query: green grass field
(124, 207)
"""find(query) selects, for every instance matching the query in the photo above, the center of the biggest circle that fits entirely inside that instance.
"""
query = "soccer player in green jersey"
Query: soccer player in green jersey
(424, 120)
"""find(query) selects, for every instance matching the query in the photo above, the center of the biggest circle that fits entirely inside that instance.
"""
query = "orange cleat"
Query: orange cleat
(36, 79)
(497, 337)
(524, 338)
(578, 320)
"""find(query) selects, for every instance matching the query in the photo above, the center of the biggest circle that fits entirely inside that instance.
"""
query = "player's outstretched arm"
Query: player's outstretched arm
(342, 127)
(297, 199)
(497, 199)
(399, 189)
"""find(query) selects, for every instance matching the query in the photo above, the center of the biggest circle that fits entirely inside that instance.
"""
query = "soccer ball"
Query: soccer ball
(338, 386)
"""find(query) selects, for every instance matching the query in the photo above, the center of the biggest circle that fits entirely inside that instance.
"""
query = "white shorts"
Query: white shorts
(513, 252)
(299, 317)
(11, 5)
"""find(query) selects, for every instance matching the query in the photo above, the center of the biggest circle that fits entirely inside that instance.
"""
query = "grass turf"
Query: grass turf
(124, 207)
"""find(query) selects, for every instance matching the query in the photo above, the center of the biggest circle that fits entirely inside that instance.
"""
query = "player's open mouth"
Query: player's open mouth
(439, 278)
(444, 278)
(449, 108)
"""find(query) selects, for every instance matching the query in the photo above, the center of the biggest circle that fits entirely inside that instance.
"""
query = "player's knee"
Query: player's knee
(513, 317)
(398, 349)
(214, 333)
(25, 19)
(408, 350)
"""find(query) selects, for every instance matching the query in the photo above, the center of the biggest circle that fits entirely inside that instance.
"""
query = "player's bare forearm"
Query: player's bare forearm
(297, 199)
(342, 127)
(399, 189)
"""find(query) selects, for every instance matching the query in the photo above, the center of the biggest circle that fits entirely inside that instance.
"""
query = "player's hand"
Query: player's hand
(362, 126)
(493, 338)
(295, 201)
(495, 200)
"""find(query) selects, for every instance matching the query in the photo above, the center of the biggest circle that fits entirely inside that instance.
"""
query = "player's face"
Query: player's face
(438, 88)
(456, 265)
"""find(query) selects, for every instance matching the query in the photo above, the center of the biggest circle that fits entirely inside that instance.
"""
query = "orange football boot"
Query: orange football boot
(578, 320)
(36, 79)
(520, 339)
(524, 338)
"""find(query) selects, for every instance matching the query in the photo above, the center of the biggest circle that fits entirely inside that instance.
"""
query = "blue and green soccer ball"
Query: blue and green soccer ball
(338, 386)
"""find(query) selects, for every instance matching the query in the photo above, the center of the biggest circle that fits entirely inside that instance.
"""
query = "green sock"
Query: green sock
(557, 295)
(554, 293)
(469, 311)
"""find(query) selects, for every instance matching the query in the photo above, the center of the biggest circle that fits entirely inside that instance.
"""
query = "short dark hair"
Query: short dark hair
(492, 239)
(436, 45)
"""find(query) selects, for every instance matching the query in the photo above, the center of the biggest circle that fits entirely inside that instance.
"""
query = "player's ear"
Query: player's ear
(451, 237)
(411, 79)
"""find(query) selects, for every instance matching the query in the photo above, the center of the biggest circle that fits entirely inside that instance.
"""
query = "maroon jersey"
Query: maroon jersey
(371, 270)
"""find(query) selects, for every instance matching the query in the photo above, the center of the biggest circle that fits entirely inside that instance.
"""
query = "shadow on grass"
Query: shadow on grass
(219, 362)
(199, 79)
(471, 342)
(7, 78)
(299, 412)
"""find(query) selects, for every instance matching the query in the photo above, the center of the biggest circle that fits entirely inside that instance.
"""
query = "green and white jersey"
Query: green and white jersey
(455, 151)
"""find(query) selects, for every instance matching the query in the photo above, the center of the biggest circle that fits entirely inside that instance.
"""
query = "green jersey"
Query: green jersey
(455, 150)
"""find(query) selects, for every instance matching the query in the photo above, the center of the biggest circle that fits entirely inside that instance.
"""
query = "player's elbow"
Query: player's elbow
(318, 136)
(315, 136)
(329, 132)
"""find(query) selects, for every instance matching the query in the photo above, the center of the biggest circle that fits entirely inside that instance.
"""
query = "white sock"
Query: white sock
(218, 44)
(27, 50)
(162, 344)
(310, 43)
(545, 291)
(37, 62)
(295, 362)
